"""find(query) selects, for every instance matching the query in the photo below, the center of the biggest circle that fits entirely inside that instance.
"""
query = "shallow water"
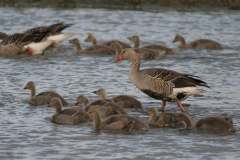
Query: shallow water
(26, 131)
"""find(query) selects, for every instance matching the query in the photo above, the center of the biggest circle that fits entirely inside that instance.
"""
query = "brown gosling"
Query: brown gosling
(119, 122)
(67, 116)
(43, 98)
(197, 44)
(210, 124)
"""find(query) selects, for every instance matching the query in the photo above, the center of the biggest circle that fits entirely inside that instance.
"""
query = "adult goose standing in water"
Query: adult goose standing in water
(144, 53)
(105, 108)
(67, 116)
(120, 122)
(92, 49)
(136, 40)
(124, 101)
(42, 98)
(162, 84)
(92, 38)
(210, 124)
(197, 44)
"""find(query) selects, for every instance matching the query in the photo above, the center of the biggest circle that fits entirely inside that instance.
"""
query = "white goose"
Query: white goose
(38, 48)
(162, 84)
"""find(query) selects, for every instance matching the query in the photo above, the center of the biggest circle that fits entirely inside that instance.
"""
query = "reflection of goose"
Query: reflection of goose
(124, 101)
(43, 98)
(211, 124)
(105, 107)
(91, 38)
(121, 122)
(197, 44)
(143, 53)
(92, 49)
(54, 33)
(67, 116)
(136, 40)
(161, 84)
(164, 119)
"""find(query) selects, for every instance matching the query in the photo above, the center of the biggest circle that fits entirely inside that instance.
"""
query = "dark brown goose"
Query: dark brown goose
(105, 108)
(92, 49)
(161, 84)
(144, 53)
(120, 122)
(92, 38)
(136, 40)
(67, 116)
(3, 35)
(197, 44)
(210, 124)
(165, 119)
(124, 101)
(43, 98)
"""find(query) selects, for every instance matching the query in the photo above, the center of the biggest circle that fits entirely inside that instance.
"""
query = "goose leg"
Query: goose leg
(180, 105)
(163, 106)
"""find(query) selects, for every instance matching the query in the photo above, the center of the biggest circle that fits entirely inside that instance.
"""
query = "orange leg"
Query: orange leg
(180, 105)
(163, 105)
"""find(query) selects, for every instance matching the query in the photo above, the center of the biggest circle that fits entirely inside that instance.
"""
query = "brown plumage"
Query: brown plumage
(120, 122)
(124, 101)
(92, 49)
(162, 84)
(197, 44)
(165, 119)
(210, 124)
(43, 98)
(3, 35)
(144, 53)
(92, 38)
(105, 108)
(136, 40)
(67, 116)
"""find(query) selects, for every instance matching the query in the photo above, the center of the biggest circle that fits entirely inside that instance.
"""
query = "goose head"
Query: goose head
(82, 99)
(153, 111)
(29, 85)
(178, 38)
(55, 103)
(134, 38)
(74, 41)
(101, 93)
(127, 53)
(90, 38)
(182, 118)
(93, 113)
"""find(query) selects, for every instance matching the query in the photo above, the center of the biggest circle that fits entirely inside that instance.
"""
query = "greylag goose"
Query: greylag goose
(136, 40)
(23, 43)
(211, 124)
(43, 98)
(197, 44)
(120, 122)
(54, 33)
(3, 35)
(164, 119)
(162, 84)
(92, 49)
(67, 116)
(105, 107)
(144, 53)
(92, 38)
(124, 101)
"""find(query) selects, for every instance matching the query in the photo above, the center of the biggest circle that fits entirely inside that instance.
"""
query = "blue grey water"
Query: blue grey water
(26, 131)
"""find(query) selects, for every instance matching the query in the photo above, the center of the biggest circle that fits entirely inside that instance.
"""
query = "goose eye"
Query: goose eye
(123, 51)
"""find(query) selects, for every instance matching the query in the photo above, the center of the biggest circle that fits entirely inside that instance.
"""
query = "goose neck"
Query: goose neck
(96, 121)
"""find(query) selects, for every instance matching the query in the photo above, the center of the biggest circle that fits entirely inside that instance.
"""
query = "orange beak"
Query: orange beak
(30, 50)
(118, 59)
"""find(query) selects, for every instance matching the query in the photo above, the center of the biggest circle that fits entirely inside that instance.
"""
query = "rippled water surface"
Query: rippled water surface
(26, 131)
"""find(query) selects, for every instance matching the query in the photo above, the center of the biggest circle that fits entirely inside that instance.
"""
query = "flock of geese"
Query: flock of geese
(158, 83)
